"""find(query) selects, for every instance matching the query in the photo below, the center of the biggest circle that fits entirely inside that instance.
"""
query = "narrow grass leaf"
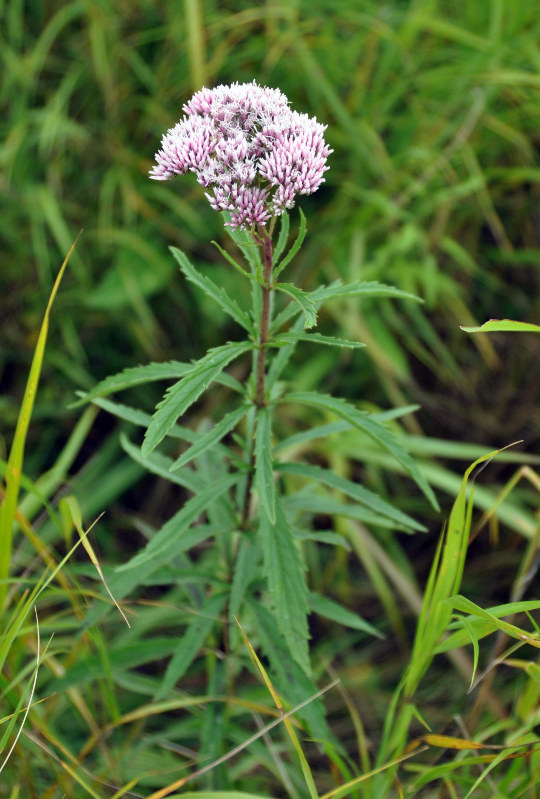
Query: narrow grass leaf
(466, 606)
(175, 528)
(16, 455)
(353, 490)
(72, 506)
(306, 771)
(295, 247)
(264, 474)
(316, 338)
(217, 293)
(187, 391)
(481, 627)
(443, 582)
(303, 300)
(190, 643)
(503, 326)
(213, 436)
(372, 428)
(323, 606)
(286, 584)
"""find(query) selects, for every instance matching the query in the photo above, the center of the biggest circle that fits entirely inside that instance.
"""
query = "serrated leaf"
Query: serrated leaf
(188, 390)
(212, 437)
(286, 584)
(142, 419)
(316, 338)
(264, 474)
(169, 534)
(295, 247)
(335, 612)
(245, 244)
(217, 293)
(127, 656)
(370, 427)
(244, 573)
(159, 464)
(503, 326)
(360, 288)
(123, 584)
(282, 238)
(303, 299)
(134, 376)
(190, 643)
(308, 502)
(363, 495)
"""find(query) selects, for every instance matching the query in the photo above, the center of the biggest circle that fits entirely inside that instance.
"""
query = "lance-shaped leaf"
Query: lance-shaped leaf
(503, 326)
(190, 643)
(354, 490)
(335, 612)
(295, 247)
(316, 338)
(264, 475)
(217, 293)
(282, 238)
(303, 299)
(176, 527)
(134, 376)
(213, 436)
(286, 584)
(368, 425)
(188, 390)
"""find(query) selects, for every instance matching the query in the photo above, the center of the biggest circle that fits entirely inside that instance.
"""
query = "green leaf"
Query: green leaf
(306, 501)
(335, 612)
(316, 338)
(303, 299)
(482, 627)
(187, 391)
(245, 244)
(354, 490)
(264, 475)
(244, 573)
(360, 288)
(503, 326)
(296, 246)
(159, 464)
(175, 528)
(120, 585)
(212, 437)
(120, 658)
(190, 643)
(286, 584)
(134, 376)
(282, 238)
(291, 681)
(217, 293)
(369, 426)
(142, 419)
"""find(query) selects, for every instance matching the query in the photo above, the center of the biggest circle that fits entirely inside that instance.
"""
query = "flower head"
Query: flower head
(248, 148)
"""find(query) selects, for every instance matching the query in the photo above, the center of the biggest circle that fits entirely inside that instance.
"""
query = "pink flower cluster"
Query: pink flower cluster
(247, 146)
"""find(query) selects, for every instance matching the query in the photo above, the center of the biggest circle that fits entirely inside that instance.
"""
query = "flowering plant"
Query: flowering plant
(255, 155)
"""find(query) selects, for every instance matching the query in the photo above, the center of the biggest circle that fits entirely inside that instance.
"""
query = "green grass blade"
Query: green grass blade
(16, 456)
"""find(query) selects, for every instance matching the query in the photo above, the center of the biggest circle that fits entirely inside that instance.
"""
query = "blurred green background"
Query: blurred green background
(433, 112)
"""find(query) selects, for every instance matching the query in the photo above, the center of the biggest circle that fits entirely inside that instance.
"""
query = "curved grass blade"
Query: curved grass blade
(16, 455)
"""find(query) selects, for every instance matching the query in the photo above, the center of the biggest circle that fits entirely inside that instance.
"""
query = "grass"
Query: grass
(432, 112)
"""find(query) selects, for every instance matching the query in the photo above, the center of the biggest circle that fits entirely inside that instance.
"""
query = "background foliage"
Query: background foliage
(433, 114)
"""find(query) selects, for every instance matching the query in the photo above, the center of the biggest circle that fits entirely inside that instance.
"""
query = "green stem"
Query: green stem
(265, 238)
